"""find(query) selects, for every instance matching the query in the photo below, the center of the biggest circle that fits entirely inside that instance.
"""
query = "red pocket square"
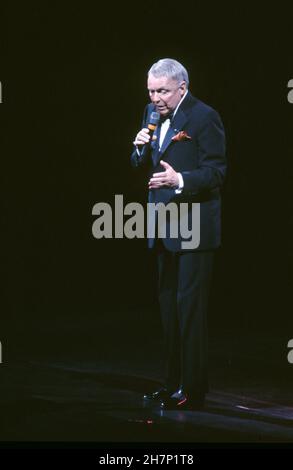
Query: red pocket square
(182, 135)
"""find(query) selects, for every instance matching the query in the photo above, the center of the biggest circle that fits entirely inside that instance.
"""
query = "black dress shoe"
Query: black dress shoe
(183, 402)
(158, 395)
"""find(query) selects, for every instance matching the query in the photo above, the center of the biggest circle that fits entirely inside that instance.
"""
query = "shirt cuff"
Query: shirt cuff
(180, 185)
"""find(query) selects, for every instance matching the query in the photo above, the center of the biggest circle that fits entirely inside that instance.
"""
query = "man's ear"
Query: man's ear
(182, 87)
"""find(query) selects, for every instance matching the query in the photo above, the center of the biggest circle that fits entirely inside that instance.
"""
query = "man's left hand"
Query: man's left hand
(168, 178)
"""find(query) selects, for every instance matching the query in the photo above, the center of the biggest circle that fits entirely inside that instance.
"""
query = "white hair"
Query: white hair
(170, 68)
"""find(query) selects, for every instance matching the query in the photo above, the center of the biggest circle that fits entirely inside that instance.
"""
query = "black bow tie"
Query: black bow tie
(168, 116)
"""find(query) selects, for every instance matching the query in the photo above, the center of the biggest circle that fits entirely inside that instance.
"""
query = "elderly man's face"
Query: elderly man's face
(165, 93)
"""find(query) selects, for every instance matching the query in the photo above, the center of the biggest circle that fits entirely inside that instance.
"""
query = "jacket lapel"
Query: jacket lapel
(179, 121)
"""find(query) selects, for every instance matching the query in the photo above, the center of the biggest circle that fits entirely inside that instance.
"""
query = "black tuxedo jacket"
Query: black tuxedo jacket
(201, 161)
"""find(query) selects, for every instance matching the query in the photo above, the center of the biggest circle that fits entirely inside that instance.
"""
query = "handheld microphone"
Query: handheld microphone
(152, 125)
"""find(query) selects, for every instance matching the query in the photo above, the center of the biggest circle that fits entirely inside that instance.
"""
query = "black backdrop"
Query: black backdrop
(74, 88)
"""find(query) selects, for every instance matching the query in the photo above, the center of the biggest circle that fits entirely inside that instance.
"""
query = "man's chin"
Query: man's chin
(164, 111)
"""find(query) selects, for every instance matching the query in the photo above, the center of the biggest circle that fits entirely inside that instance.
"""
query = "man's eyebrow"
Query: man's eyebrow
(158, 89)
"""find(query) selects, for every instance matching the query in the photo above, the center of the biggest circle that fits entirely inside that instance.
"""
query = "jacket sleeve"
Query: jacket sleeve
(136, 159)
(211, 170)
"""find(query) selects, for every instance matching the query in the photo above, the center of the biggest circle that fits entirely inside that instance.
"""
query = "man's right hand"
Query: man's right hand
(143, 137)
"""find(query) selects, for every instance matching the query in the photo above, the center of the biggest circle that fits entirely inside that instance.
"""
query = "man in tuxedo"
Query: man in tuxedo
(186, 164)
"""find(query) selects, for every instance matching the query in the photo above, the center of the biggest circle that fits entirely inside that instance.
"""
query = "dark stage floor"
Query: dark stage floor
(77, 382)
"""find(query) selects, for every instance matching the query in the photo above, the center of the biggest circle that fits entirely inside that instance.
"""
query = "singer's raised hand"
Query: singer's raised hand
(143, 137)
(168, 178)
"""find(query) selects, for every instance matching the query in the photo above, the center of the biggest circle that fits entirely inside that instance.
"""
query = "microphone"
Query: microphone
(152, 125)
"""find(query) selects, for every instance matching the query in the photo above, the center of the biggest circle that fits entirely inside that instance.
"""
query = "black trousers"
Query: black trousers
(184, 285)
